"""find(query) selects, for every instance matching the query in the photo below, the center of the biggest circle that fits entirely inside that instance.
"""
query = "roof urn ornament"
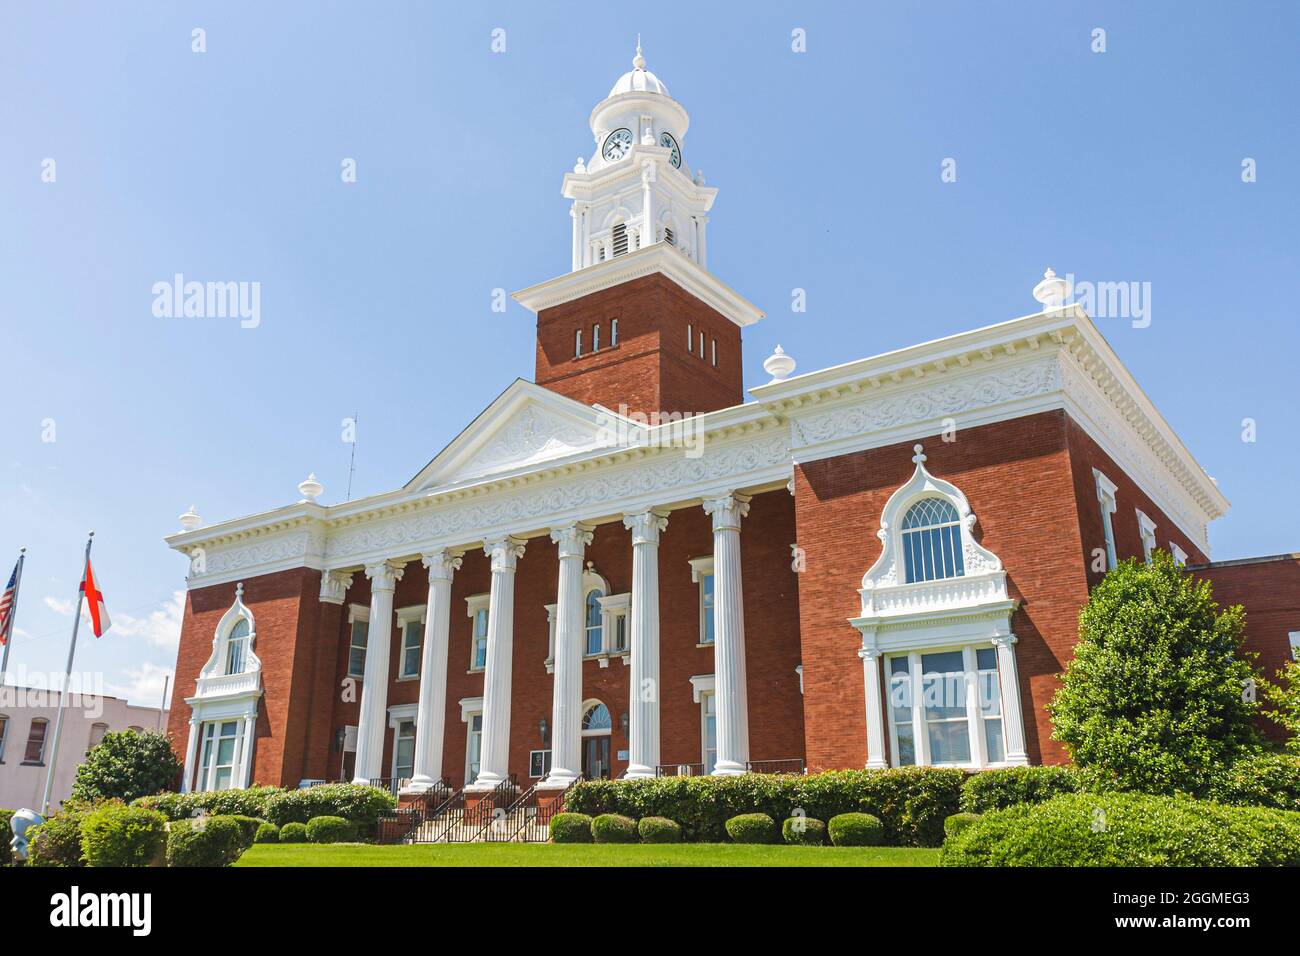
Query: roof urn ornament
(778, 365)
(1052, 291)
(190, 519)
(310, 488)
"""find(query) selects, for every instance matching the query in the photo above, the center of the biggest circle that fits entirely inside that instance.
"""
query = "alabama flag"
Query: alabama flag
(95, 602)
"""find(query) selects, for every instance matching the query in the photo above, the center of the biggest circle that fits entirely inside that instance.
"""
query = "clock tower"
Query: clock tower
(639, 324)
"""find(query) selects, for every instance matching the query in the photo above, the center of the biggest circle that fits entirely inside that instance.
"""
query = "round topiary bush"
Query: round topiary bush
(1127, 829)
(57, 841)
(803, 831)
(330, 830)
(293, 833)
(958, 822)
(614, 828)
(752, 828)
(205, 841)
(117, 835)
(267, 833)
(856, 829)
(659, 830)
(565, 828)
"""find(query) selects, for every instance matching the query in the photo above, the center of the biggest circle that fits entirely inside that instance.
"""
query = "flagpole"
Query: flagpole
(63, 691)
(167, 683)
(13, 617)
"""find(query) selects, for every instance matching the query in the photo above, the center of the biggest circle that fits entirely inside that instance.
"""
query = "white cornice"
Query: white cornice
(658, 258)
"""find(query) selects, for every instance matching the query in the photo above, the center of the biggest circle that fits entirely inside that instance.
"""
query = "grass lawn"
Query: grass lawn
(544, 854)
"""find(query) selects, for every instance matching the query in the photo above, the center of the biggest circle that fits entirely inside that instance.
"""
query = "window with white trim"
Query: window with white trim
(237, 647)
(4, 734)
(1106, 490)
(1295, 655)
(404, 750)
(709, 730)
(577, 344)
(702, 574)
(358, 638)
(595, 338)
(715, 352)
(701, 343)
(690, 338)
(97, 732)
(945, 708)
(1180, 556)
(473, 746)
(932, 548)
(477, 607)
(35, 750)
(1147, 528)
(594, 631)
(539, 763)
(613, 332)
(220, 750)
(410, 623)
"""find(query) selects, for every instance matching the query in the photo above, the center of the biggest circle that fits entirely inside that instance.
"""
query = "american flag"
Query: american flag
(7, 606)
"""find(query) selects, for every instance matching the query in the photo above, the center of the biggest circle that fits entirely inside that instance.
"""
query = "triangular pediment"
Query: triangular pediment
(526, 426)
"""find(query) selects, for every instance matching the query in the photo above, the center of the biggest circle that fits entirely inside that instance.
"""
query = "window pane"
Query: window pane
(906, 745)
(943, 685)
(949, 742)
(986, 659)
(226, 751)
(481, 622)
(706, 592)
(36, 742)
(224, 775)
(480, 653)
(990, 694)
(596, 718)
(993, 740)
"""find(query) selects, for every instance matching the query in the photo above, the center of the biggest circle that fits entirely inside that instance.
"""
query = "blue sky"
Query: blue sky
(376, 295)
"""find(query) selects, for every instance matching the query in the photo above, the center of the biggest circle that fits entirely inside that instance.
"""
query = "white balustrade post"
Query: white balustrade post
(643, 723)
(494, 764)
(431, 711)
(1013, 721)
(875, 708)
(729, 635)
(374, 683)
(566, 701)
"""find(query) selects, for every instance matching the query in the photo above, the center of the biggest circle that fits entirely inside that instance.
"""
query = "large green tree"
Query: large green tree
(1158, 694)
(127, 765)
(1285, 698)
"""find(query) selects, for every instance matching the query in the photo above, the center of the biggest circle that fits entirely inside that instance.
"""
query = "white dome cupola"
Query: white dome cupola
(637, 189)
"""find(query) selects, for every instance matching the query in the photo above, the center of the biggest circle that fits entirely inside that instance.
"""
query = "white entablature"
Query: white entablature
(636, 189)
(1052, 360)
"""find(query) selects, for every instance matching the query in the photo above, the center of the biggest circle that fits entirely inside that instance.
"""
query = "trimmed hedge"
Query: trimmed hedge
(612, 828)
(330, 830)
(267, 833)
(356, 802)
(1262, 780)
(114, 834)
(856, 829)
(225, 803)
(911, 802)
(293, 833)
(998, 789)
(803, 831)
(209, 841)
(6, 834)
(57, 841)
(1127, 829)
(752, 828)
(659, 830)
(958, 822)
(565, 828)
(250, 825)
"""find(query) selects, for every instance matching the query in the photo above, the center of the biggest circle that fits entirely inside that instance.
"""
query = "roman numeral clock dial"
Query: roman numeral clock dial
(617, 145)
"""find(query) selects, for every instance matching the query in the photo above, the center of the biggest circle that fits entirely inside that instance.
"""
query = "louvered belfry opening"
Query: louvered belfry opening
(620, 239)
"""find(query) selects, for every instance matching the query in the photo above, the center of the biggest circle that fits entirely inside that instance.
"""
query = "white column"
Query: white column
(431, 712)
(577, 237)
(643, 722)
(647, 198)
(729, 634)
(191, 751)
(1013, 721)
(875, 709)
(374, 685)
(494, 761)
(246, 757)
(704, 258)
(566, 701)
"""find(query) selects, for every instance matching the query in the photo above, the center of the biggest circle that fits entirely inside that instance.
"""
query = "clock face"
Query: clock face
(666, 140)
(617, 145)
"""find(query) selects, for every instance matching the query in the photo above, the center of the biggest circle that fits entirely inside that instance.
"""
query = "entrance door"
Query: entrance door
(596, 728)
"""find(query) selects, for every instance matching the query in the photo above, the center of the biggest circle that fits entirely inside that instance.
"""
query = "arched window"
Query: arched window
(597, 719)
(35, 752)
(97, 732)
(237, 647)
(595, 643)
(932, 541)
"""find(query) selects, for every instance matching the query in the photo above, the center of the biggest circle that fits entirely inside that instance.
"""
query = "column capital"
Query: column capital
(505, 552)
(646, 526)
(384, 575)
(572, 539)
(441, 564)
(727, 509)
(1005, 640)
(334, 586)
(869, 653)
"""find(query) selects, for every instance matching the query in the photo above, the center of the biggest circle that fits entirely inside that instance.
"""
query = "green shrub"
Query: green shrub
(613, 828)
(571, 828)
(114, 834)
(293, 833)
(911, 802)
(126, 765)
(206, 841)
(1262, 780)
(958, 822)
(998, 789)
(6, 834)
(1127, 829)
(752, 828)
(249, 825)
(250, 802)
(803, 831)
(330, 830)
(355, 802)
(57, 841)
(856, 829)
(267, 833)
(659, 830)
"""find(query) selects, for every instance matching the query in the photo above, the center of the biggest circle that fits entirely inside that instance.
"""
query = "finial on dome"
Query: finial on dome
(239, 591)
(920, 456)
(638, 61)
(778, 365)
(310, 489)
(191, 520)
(1052, 291)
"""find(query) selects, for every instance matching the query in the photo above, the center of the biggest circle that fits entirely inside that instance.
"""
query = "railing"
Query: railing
(946, 593)
(469, 824)
(792, 765)
(393, 785)
(527, 820)
(404, 824)
(222, 684)
(680, 770)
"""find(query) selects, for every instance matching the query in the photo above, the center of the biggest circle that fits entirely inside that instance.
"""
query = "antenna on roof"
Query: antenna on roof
(352, 464)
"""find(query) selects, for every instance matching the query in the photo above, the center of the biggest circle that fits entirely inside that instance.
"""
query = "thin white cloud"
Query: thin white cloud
(142, 685)
(60, 606)
(161, 627)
